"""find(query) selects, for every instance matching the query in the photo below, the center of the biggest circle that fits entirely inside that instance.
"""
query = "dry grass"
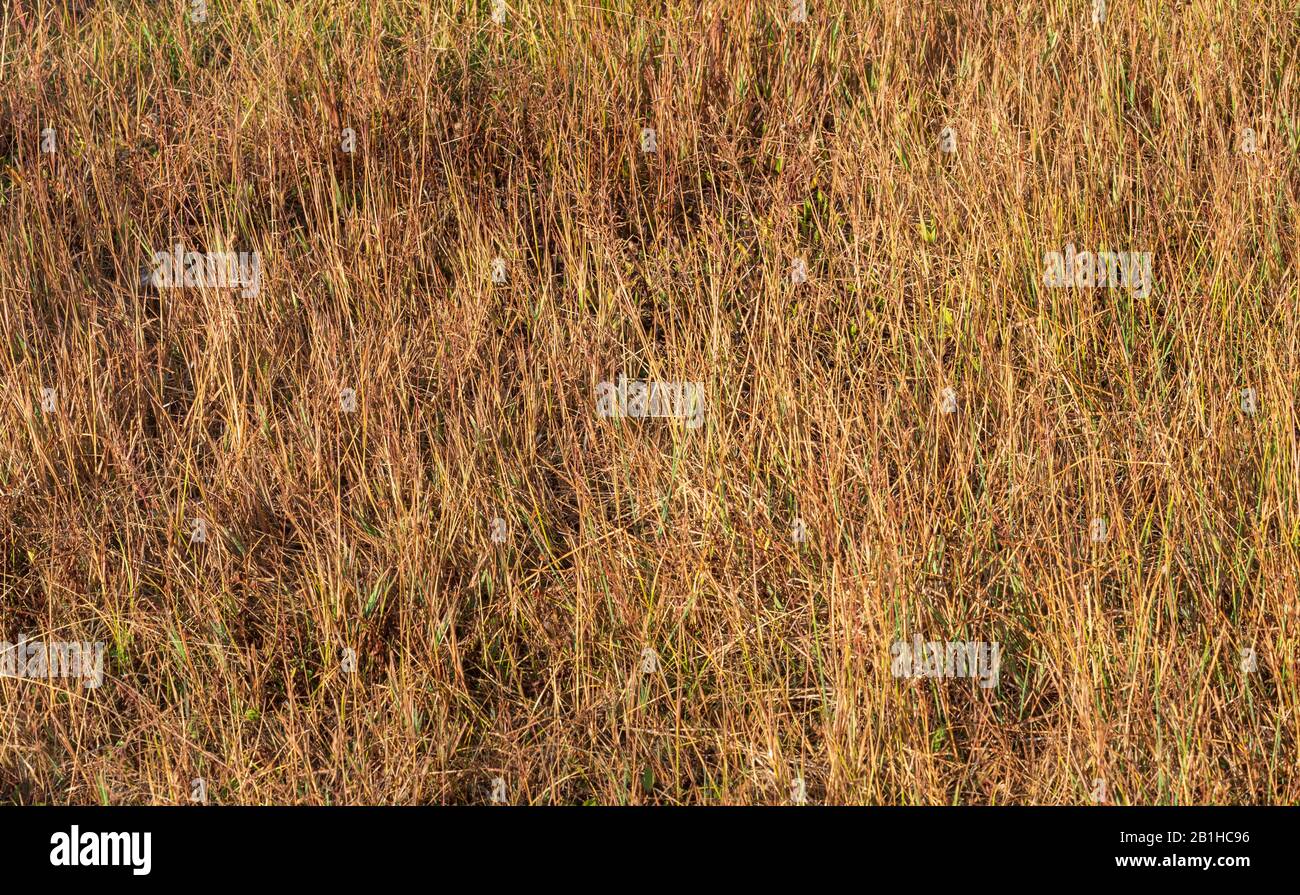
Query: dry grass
(370, 531)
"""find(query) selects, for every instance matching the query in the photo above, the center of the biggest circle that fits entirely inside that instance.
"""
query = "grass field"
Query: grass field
(359, 532)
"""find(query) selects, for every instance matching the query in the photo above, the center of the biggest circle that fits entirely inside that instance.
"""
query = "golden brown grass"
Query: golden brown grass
(370, 531)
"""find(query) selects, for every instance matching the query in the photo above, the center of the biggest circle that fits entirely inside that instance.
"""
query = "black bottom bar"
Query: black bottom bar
(506, 845)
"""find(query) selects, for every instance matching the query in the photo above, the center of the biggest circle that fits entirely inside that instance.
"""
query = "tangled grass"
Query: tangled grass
(350, 631)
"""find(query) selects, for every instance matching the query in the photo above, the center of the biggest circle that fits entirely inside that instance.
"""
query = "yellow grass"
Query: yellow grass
(371, 531)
